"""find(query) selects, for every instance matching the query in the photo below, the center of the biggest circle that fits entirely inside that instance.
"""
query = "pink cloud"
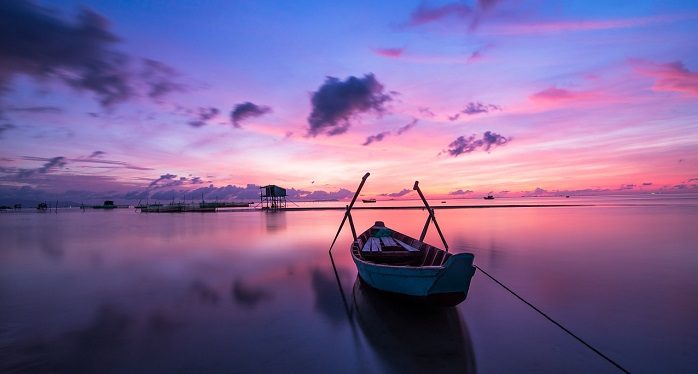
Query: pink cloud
(538, 27)
(671, 76)
(389, 52)
(554, 94)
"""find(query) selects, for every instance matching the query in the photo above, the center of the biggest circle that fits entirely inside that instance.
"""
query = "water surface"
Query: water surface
(119, 291)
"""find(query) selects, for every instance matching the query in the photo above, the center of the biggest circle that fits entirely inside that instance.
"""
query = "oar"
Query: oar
(358, 190)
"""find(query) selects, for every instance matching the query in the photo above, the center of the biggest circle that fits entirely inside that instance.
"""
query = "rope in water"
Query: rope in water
(555, 322)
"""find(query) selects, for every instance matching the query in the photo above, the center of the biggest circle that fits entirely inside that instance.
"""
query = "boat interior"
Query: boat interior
(382, 245)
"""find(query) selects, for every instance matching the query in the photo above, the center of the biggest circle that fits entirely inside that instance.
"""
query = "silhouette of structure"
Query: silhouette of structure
(272, 197)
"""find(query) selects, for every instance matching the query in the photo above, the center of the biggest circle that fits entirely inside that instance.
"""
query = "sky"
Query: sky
(139, 100)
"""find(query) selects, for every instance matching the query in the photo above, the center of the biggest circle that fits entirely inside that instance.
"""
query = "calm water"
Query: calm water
(119, 291)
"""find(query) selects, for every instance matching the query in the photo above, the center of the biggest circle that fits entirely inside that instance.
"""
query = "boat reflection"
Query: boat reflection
(412, 337)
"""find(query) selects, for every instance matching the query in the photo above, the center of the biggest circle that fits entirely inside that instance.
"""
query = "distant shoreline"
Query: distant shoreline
(414, 207)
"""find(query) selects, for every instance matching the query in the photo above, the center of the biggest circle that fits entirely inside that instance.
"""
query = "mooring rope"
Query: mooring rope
(555, 322)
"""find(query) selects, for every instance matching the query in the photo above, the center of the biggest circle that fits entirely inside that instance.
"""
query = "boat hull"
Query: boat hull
(450, 281)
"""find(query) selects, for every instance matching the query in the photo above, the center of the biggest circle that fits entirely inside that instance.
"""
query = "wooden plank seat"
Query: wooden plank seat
(389, 250)
(372, 245)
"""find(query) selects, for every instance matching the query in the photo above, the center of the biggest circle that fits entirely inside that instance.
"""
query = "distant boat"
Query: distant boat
(42, 207)
(489, 197)
(367, 201)
(391, 261)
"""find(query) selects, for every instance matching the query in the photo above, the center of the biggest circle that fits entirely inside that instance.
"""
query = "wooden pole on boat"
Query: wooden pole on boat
(351, 224)
(348, 212)
(431, 217)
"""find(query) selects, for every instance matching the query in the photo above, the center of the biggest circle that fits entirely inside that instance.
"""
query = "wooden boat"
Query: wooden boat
(394, 262)
(489, 197)
(369, 201)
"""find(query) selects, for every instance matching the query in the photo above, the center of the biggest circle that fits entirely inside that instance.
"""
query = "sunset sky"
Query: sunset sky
(135, 99)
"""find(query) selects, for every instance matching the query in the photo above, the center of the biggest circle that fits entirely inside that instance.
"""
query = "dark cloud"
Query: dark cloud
(626, 187)
(488, 141)
(460, 192)
(204, 115)
(159, 78)
(454, 117)
(397, 194)
(247, 110)
(49, 165)
(164, 177)
(196, 180)
(427, 14)
(376, 138)
(407, 127)
(6, 127)
(94, 158)
(35, 109)
(37, 43)
(476, 108)
(336, 102)
(647, 184)
(455, 11)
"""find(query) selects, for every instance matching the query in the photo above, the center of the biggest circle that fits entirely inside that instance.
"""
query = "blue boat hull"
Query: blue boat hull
(452, 278)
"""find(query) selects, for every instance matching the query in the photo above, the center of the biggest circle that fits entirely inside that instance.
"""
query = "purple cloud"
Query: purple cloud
(488, 141)
(336, 102)
(50, 164)
(80, 54)
(247, 110)
(376, 138)
(427, 14)
(35, 109)
(397, 194)
(6, 127)
(159, 78)
(477, 108)
(204, 115)
(460, 192)
(164, 177)
(407, 127)
(459, 11)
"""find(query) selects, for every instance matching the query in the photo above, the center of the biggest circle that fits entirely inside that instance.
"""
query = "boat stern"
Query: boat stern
(456, 275)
